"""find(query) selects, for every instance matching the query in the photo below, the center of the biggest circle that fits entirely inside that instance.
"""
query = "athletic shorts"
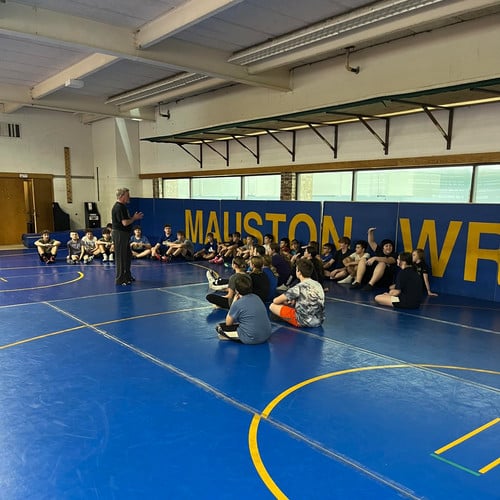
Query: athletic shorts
(289, 314)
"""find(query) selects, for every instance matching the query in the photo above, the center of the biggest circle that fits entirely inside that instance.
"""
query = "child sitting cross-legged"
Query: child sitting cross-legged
(247, 320)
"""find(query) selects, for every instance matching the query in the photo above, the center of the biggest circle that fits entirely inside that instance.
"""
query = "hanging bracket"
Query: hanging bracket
(348, 67)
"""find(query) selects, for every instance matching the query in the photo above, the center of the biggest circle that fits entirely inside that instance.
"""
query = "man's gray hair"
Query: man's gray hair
(121, 191)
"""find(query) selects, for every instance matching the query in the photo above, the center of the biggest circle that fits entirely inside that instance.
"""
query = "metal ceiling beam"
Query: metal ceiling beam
(415, 21)
(63, 30)
(81, 69)
(13, 95)
(178, 19)
(174, 94)
(9, 107)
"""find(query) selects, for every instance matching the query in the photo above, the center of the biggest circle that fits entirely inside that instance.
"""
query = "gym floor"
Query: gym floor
(125, 392)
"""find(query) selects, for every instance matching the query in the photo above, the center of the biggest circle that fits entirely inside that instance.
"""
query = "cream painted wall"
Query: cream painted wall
(116, 156)
(449, 56)
(40, 150)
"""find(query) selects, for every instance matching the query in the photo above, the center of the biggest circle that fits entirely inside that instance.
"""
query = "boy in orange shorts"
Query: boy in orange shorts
(304, 303)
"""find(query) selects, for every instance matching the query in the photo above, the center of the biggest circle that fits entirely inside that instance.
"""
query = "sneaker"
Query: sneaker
(111, 257)
(367, 288)
(214, 286)
(104, 257)
(68, 260)
(211, 276)
(85, 259)
(91, 258)
(282, 288)
(219, 260)
(355, 285)
(346, 281)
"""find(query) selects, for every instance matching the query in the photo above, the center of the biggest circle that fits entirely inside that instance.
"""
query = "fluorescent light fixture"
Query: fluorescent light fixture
(74, 84)
(359, 18)
(176, 81)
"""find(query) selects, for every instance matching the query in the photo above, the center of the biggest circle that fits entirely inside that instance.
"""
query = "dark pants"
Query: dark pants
(230, 332)
(218, 300)
(123, 256)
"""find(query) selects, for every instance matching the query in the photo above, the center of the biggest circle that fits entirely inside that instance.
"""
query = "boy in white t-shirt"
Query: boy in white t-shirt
(347, 274)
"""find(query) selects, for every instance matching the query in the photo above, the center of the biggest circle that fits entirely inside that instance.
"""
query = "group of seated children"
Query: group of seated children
(302, 302)
(247, 321)
(89, 246)
(83, 250)
(169, 248)
(405, 275)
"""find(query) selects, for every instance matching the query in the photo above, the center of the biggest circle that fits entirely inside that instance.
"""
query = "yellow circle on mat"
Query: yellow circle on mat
(80, 275)
(254, 425)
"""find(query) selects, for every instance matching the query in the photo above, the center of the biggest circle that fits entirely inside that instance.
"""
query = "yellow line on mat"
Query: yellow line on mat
(79, 277)
(95, 325)
(490, 466)
(467, 436)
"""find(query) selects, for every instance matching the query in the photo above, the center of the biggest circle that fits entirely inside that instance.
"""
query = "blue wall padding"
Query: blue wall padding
(461, 241)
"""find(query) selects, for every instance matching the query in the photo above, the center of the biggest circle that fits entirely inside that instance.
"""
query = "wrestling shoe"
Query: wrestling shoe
(346, 281)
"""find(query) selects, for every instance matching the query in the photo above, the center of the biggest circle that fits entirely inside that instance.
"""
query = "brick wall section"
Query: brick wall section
(288, 186)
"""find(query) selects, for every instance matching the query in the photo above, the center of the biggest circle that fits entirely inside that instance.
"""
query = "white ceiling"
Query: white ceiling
(118, 46)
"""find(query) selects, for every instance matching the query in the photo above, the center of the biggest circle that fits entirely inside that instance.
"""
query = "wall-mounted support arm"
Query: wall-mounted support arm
(198, 160)
(255, 154)
(225, 157)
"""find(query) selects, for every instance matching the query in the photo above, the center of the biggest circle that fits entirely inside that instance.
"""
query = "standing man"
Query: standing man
(122, 227)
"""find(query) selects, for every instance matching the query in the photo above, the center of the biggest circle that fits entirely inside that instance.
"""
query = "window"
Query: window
(216, 188)
(441, 184)
(176, 188)
(262, 187)
(431, 184)
(487, 188)
(324, 186)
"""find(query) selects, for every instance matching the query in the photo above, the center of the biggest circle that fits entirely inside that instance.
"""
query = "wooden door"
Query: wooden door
(43, 197)
(12, 204)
